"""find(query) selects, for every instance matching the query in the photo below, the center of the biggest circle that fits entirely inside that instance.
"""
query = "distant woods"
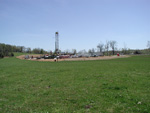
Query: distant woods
(7, 50)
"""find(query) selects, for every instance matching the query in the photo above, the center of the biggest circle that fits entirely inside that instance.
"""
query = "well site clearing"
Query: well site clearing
(35, 58)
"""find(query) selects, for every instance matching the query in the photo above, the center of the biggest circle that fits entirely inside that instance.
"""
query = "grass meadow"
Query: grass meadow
(106, 86)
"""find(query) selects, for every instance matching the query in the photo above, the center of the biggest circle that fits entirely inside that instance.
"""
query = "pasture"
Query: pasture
(106, 86)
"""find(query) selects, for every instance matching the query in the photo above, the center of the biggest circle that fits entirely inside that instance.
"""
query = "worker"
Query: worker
(57, 58)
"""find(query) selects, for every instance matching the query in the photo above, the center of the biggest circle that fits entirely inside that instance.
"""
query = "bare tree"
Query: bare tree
(90, 51)
(74, 51)
(93, 51)
(107, 46)
(113, 45)
(124, 50)
(148, 45)
(28, 50)
(100, 46)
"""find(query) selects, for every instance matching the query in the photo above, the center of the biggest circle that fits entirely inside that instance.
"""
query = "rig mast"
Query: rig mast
(57, 42)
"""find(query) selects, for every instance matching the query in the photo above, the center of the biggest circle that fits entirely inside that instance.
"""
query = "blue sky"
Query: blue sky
(81, 24)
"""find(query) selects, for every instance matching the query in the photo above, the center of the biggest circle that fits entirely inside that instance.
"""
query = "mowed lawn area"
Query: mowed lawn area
(106, 86)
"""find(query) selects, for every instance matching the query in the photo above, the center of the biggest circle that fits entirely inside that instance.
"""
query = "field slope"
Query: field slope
(107, 86)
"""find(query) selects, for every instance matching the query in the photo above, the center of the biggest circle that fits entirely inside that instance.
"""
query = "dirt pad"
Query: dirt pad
(73, 59)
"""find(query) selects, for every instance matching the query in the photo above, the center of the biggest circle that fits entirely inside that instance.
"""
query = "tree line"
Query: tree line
(8, 50)
(110, 48)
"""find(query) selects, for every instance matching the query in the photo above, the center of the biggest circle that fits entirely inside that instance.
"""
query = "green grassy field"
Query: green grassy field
(106, 86)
